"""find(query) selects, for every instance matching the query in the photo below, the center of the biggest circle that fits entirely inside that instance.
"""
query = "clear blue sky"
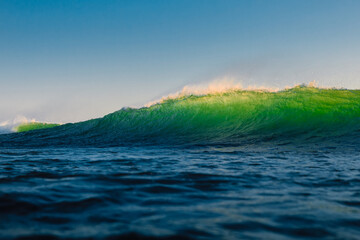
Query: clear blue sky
(71, 60)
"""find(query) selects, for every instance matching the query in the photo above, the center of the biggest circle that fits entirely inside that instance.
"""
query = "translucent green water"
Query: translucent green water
(34, 126)
(223, 116)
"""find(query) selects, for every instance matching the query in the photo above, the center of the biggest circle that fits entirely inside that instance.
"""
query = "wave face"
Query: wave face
(298, 115)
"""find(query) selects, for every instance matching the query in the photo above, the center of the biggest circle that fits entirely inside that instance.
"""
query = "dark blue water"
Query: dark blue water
(179, 193)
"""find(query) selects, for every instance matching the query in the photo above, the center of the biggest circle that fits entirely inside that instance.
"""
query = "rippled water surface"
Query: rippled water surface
(196, 193)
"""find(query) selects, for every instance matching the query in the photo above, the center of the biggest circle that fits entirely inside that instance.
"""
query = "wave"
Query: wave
(23, 124)
(24, 127)
(233, 117)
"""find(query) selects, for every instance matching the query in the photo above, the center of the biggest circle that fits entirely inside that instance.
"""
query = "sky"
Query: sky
(71, 60)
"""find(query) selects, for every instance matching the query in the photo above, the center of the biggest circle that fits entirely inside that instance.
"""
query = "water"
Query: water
(239, 165)
(202, 193)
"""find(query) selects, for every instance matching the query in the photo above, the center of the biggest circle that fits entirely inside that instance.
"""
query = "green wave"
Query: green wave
(234, 114)
(300, 114)
(24, 127)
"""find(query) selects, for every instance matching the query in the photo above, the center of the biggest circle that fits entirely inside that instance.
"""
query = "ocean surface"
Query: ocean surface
(232, 165)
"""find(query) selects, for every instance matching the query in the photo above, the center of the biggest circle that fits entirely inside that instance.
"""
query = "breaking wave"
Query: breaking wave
(231, 117)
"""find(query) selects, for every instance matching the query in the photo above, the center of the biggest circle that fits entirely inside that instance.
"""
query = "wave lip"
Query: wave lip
(297, 115)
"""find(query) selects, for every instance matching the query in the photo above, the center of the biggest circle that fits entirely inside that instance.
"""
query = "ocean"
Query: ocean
(231, 165)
